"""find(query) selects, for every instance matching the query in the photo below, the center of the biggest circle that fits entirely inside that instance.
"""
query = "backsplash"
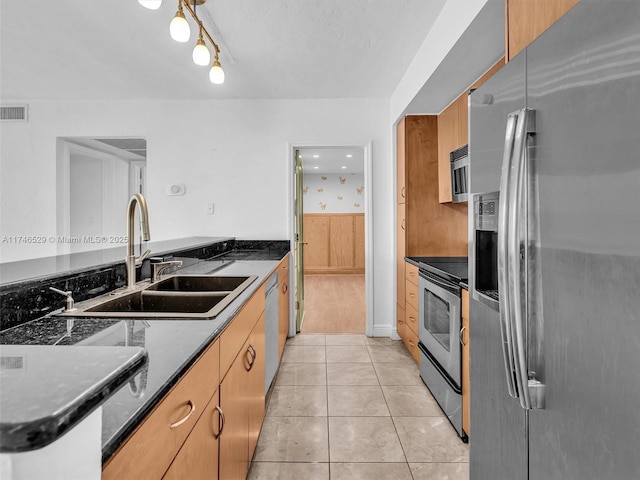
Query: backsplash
(32, 299)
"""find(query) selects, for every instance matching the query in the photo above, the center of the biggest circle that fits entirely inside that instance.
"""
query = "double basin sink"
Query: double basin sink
(179, 296)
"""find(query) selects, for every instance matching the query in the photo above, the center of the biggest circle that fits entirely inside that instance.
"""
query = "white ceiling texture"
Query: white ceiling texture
(116, 49)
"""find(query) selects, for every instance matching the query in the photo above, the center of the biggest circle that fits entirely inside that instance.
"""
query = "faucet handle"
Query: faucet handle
(69, 305)
(142, 257)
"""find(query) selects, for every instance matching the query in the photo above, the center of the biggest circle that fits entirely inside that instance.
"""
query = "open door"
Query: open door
(299, 243)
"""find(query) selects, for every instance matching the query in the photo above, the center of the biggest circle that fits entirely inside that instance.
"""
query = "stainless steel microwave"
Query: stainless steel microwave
(460, 174)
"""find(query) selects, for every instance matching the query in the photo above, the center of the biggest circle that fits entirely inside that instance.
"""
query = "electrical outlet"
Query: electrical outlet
(210, 208)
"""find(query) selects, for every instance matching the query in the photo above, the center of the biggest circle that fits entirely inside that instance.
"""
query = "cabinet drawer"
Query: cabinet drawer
(411, 294)
(411, 273)
(152, 447)
(411, 318)
(410, 340)
(283, 269)
(238, 331)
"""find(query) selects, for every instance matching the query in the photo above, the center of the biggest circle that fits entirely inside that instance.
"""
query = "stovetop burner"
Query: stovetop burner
(454, 269)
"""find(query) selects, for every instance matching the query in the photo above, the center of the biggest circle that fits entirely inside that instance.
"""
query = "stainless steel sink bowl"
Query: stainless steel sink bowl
(180, 296)
(200, 283)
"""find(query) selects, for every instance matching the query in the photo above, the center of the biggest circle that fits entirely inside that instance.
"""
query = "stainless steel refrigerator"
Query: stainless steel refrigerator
(554, 254)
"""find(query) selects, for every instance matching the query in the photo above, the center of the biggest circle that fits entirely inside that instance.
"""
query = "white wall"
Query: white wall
(333, 193)
(234, 153)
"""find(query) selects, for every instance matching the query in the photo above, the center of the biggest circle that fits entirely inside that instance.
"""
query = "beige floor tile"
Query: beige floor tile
(440, 471)
(307, 339)
(389, 354)
(403, 373)
(293, 439)
(430, 439)
(304, 354)
(364, 439)
(370, 471)
(344, 339)
(356, 401)
(351, 374)
(347, 354)
(298, 401)
(302, 374)
(288, 471)
(411, 401)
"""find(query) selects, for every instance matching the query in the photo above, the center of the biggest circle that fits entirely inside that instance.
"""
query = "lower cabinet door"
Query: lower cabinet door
(234, 440)
(198, 457)
(256, 384)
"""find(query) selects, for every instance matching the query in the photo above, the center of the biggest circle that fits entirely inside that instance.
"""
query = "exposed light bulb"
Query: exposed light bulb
(150, 4)
(201, 55)
(216, 74)
(179, 28)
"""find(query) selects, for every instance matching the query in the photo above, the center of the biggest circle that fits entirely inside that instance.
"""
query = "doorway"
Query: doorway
(331, 239)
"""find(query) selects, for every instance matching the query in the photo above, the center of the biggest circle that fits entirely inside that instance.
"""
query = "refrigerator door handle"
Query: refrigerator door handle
(531, 391)
(504, 285)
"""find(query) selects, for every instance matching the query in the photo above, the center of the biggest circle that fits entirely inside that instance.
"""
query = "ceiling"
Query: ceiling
(111, 49)
(342, 160)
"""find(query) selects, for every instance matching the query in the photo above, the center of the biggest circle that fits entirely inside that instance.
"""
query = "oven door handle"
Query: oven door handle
(450, 287)
(504, 284)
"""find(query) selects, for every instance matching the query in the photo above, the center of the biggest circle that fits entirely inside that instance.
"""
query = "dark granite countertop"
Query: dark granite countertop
(171, 345)
(84, 378)
(438, 262)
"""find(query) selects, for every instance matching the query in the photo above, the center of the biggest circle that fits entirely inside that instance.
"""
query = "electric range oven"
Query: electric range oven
(439, 332)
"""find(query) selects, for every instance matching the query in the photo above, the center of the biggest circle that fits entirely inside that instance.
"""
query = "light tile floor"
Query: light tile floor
(348, 407)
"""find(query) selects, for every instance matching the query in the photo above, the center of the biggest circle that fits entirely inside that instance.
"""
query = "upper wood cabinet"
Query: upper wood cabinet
(527, 19)
(452, 134)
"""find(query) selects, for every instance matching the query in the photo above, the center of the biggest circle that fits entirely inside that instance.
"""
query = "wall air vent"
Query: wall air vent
(12, 363)
(13, 113)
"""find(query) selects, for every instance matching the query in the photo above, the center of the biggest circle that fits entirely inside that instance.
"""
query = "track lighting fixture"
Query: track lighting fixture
(150, 4)
(180, 32)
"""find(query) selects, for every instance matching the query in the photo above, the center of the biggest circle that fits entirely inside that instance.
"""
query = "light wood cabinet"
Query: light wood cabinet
(234, 441)
(283, 304)
(255, 383)
(464, 336)
(408, 327)
(448, 140)
(527, 19)
(198, 457)
(152, 447)
(237, 332)
(335, 243)
(242, 393)
(425, 227)
(410, 340)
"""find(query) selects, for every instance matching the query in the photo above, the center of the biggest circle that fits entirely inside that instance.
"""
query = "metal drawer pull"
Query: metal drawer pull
(192, 408)
(285, 287)
(411, 343)
(252, 353)
(462, 336)
(221, 422)
(412, 319)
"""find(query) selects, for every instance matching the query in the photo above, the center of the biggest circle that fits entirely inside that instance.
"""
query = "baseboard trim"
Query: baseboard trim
(384, 331)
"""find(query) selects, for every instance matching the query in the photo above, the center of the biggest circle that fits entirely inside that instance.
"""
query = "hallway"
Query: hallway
(349, 407)
(334, 304)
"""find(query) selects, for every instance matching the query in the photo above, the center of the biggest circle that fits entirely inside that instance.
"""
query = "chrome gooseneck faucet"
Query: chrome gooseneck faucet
(131, 260)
